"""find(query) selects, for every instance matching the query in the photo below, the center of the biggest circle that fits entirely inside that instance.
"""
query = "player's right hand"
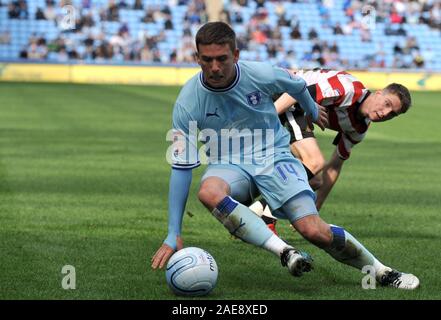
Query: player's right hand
(322, 120)
(164, 253)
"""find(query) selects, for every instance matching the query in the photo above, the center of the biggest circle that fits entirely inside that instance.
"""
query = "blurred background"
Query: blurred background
(342, 34)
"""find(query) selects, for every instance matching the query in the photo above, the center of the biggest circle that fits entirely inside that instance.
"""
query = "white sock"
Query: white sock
(380, 269)
(275, 245)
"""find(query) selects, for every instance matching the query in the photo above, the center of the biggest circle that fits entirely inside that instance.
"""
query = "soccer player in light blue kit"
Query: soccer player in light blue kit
(230, 103)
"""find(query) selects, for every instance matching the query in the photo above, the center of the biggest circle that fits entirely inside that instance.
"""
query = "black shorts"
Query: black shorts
(296, 124)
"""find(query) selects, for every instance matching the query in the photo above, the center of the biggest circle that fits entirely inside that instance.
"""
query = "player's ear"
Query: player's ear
(236, 55)
(198, 59)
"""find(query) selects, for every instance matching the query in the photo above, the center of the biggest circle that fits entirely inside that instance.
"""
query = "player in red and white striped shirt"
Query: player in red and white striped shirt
(351, 108)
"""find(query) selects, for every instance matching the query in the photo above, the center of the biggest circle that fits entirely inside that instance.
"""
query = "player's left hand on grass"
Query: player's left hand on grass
(164, 253)
(322, 120)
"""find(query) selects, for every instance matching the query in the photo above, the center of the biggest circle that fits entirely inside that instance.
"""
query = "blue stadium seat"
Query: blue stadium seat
(351, 47)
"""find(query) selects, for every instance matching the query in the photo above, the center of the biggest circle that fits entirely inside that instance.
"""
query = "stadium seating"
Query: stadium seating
(167, 38)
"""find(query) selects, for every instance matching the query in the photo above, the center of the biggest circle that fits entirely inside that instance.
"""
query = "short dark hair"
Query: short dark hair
(216, 33)
(402, 93)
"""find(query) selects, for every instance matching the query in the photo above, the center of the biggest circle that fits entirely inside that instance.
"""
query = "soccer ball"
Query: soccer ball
(191, 272)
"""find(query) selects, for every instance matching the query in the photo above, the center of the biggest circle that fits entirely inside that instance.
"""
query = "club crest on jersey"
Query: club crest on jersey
(254, 98)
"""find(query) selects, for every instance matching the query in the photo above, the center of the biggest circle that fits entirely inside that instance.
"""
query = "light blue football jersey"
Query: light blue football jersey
(238, 123)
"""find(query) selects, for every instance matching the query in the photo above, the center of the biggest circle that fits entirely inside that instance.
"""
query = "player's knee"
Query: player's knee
(210, 195)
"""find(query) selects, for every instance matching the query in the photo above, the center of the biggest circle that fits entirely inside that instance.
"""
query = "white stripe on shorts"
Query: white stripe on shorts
(295, 127)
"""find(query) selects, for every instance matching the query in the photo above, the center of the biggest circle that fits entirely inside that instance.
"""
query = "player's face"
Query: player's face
(217, 63)
(384, 106)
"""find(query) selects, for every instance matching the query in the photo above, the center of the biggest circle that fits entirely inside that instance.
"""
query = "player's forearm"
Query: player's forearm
(329, 179)
(180, 181)
(330, 174)
(307, 103)
(284, 102)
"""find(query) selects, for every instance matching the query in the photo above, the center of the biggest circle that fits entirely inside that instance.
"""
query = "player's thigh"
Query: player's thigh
(298, 207)
(241, 186)
(308, 151)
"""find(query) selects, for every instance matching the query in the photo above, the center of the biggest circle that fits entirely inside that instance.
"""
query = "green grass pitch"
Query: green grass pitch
(84, 182)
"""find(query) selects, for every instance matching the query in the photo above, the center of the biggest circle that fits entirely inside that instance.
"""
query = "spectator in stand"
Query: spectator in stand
(13, 10)
(237, 17)
(295, 33)
(394, 30)
(317, 46)
(312, 34)
(86, 4)
(18, 9)
(5, 37)
(224, 16)
(39, 14)
(275, 35)
(418, 59)
(196, 14)
(138, 5)
(111, 13)
(365, 33)
(411, 44)
(397, 50)
(242, 42)
(149, 16)
(334, 48)
(338, 29)
(37, 49)
(323, 8)
(49, 11)
(435, 16)
(259, 35)
(263, 32)
(62, 55)
(168, 24)
(24, 14)
(291, 59)
(283, 22)
(122, 4)
(395, 17)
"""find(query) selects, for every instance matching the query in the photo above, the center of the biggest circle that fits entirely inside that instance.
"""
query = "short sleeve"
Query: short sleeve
(183, 153)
